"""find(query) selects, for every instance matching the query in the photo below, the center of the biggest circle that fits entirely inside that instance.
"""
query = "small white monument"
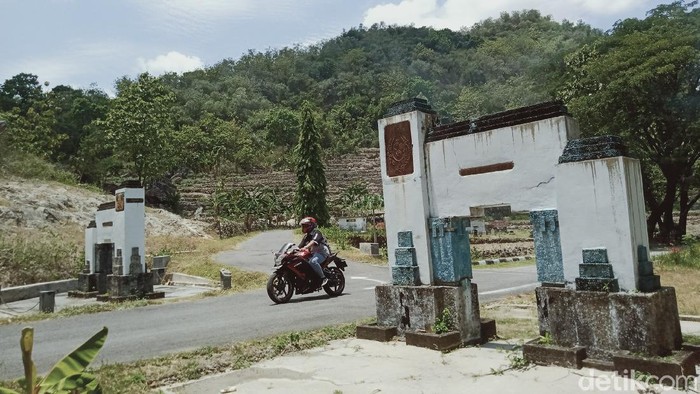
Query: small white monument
(115, 265)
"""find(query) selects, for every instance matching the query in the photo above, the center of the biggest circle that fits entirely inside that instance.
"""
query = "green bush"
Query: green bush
(28, 166)
(688, 256)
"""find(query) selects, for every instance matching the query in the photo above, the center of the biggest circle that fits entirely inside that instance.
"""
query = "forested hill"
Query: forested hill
(638, 80)
(245, 113)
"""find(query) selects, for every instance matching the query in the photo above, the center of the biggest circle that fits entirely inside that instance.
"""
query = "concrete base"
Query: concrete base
(607, 323)
(416, 308)
(87, 283)
(82, 294)
(541, 354)
(673, 369)
(441, 342)
(374, 332)
(124, 286)
(488, 330)
(148, 296)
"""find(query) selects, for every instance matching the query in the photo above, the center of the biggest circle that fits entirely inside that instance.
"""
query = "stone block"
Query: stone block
(158, 275)
(488, 330)
(369, 248)
(415, 308)
(606, 323)
(130, 285)
(567, 357)
(405, 239)
(600, 365)
(595, 256)
(671, 370)
(649, 283)
(87, 282)
(597, 284)
(405, 257)
(645, 268)
(161, 261)
(441, 342)
(405, 276)
(374, 332)
(588, 270)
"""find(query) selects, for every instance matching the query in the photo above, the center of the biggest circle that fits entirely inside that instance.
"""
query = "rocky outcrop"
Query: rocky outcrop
(37, 204)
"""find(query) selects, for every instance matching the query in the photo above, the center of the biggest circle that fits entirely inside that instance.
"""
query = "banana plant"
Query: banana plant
(68, 375)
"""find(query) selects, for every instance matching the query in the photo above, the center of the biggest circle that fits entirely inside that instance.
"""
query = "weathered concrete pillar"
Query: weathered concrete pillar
(401, 138)
(601, 206)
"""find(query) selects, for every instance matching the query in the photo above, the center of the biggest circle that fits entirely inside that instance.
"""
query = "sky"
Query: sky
(84, 43)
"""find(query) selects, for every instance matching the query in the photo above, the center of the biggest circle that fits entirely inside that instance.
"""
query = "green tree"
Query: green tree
(641, 82)
(140, 128)
(311, 178)
(21, 91)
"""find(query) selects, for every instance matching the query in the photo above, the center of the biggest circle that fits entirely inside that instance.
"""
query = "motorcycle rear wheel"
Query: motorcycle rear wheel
(280, 287)
(336, 282)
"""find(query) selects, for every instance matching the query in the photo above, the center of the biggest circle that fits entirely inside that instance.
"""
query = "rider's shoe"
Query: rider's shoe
(324, 282)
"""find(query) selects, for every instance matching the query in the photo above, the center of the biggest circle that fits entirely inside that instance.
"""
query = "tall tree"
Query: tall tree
(20, 91)
(311, 177)
(642, 82)
(140, 128)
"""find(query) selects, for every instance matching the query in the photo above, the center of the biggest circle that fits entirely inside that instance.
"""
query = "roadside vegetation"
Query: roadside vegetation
(680, 268)
(146, 375)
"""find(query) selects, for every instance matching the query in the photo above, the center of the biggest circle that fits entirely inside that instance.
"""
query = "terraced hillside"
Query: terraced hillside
(342, 171)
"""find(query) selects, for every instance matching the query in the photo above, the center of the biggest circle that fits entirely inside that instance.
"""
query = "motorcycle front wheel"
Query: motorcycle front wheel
(280, 287)
(336, 282)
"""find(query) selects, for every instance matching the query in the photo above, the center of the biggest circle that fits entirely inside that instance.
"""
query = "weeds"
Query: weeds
(444, 323)
(688, 256)
(32, 257)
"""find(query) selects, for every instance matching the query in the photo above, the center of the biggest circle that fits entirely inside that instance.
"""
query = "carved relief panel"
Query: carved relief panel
(399, 149)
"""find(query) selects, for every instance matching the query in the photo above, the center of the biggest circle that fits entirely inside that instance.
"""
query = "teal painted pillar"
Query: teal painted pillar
(405, 272)
(449, 249)
(545, 232)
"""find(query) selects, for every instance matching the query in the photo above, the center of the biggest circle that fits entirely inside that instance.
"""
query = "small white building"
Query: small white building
(353, 223)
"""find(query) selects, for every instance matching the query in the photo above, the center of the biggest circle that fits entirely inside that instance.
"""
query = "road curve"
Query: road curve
(157, 330)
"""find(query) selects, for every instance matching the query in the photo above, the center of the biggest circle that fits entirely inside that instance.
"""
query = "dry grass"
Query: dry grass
(40, 255)
(686, 280)
(193, 256)
(515, 316)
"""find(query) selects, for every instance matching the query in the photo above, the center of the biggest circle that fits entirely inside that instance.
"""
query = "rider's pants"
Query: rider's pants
(315, 262)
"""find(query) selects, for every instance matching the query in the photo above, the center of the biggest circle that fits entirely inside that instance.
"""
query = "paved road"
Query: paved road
(160, 329)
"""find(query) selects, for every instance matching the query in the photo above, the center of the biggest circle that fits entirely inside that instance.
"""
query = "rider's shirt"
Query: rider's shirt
(321, 244)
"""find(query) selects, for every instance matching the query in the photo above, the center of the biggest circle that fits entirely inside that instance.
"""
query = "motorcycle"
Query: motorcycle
(293, 273)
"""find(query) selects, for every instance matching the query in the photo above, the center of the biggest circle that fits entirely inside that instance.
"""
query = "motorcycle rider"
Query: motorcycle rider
(314, 242)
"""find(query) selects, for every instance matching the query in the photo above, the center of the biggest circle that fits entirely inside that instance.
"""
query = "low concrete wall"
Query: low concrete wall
(11, 294)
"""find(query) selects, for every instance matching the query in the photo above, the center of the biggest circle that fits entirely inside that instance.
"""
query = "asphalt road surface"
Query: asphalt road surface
(157, 330)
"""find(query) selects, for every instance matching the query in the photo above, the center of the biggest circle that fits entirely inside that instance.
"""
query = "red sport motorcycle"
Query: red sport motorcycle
(293, 273)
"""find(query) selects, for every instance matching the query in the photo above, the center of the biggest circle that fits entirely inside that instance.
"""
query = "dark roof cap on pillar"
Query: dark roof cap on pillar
(132, 184)
(410, 105)
(593, 148)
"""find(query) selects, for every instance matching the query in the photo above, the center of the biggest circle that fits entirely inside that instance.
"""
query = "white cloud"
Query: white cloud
(455, 14)
(170, 62)
(188, 16)
(82, 61)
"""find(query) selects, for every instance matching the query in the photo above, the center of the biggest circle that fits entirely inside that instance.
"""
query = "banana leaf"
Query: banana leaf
(71, 367)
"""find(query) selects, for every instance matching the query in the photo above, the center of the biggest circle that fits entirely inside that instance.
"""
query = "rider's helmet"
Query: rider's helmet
(307, 224)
